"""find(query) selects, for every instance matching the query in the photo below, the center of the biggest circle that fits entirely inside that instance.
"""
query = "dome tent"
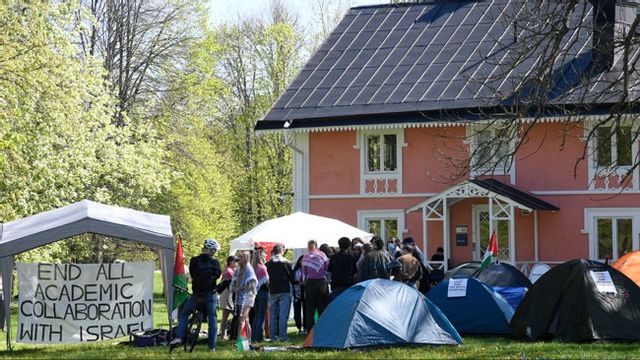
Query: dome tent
(629, 265)
(567, 303)
(503, 275)
(465, 269)
(480, 311)
(381, 312)
(507, 280)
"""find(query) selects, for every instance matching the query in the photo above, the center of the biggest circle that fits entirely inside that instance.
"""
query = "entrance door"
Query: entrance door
(482, 236)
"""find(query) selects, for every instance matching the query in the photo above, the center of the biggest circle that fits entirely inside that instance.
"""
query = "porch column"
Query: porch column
(490, 218)
(536, 243)
(445, 233)
(512, 234)
(425, 240)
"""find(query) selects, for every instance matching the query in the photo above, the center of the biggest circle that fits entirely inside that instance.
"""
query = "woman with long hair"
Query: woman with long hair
(244, 286)
(262, 295)
(226, 298)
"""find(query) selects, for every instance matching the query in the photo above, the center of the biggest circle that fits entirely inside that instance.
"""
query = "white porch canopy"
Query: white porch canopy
(84, 217)
(502, 198)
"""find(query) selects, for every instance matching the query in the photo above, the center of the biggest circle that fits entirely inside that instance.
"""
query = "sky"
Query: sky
(229, 11)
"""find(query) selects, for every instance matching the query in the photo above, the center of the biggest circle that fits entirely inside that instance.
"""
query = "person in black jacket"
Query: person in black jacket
(204, 270)
(280, 279)
(342, 267)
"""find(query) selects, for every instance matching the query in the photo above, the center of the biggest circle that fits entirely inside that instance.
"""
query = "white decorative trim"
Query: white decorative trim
(369, 196)
(433, 124)
(467, 189)
(590, 214)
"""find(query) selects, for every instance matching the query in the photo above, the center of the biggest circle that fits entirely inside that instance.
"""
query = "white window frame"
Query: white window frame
(590, 226)
(365, 174)
(472, 135)
(595, 170)
(397, 214)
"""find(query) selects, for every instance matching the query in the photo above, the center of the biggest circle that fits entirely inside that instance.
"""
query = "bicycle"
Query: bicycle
(194, 324)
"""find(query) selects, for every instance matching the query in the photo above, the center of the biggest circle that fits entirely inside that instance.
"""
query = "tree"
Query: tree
(142, 45)
(258, 59)
(57, 139)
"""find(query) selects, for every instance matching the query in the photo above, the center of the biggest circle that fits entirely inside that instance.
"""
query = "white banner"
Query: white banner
(457, 288)
(603, 281)
(68, 303)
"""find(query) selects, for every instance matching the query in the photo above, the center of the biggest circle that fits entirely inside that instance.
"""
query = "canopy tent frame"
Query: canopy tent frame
(84, 217)
(501, 207)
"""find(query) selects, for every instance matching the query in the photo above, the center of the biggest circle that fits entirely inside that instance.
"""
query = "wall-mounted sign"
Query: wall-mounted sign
(462, 237)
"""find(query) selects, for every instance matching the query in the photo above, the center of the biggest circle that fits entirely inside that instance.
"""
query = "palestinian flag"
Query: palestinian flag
(492, 251)
(180, 281)
(243, 340)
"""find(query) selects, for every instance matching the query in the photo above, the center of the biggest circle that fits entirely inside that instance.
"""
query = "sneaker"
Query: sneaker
(175, 342)
(302, 332)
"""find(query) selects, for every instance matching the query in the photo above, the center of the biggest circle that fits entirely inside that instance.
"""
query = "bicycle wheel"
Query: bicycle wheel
(194, 323)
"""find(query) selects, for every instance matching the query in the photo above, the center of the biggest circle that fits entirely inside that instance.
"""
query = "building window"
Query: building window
(383, 223)
(381, 162)
(491, 150)
(613, 146)
(382, 152)
(614, 236)
(611, 231)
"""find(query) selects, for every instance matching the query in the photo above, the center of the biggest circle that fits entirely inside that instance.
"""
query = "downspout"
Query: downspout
(287, 140)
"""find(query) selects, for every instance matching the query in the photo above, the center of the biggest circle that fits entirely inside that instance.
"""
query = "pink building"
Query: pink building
(384, 113)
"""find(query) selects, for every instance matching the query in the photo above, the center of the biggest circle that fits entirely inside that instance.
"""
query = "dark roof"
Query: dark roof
(514, 194)
(424, 62)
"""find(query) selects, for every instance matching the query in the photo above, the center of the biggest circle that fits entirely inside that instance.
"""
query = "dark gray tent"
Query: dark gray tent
(85, 217)
(567, 304)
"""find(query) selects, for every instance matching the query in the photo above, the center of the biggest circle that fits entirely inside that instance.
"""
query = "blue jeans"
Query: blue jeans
(210, 302)
(279, 316)
(260, 312)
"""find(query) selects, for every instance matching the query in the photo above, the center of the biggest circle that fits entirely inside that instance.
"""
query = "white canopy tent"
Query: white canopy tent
(295, 230)
(85, 217)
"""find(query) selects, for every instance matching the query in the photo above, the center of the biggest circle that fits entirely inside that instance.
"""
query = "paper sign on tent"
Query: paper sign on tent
(457, 288)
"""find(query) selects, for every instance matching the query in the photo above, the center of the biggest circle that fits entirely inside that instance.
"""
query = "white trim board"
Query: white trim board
(427, 195)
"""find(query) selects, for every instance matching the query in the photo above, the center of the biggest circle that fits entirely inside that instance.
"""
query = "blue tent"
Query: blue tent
(381, 312)
(481, 311)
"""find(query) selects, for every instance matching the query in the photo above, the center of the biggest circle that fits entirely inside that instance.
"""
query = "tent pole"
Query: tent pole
(7, 287)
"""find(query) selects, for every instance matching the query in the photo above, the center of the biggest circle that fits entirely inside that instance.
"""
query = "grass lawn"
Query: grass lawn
(473, 347)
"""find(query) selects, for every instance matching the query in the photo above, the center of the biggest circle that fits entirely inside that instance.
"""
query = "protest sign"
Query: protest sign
(68, 303)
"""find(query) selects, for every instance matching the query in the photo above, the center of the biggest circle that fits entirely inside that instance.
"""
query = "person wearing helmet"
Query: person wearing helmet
(204, 270)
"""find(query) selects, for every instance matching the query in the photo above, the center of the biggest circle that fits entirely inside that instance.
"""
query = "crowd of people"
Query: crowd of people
(250, 285)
